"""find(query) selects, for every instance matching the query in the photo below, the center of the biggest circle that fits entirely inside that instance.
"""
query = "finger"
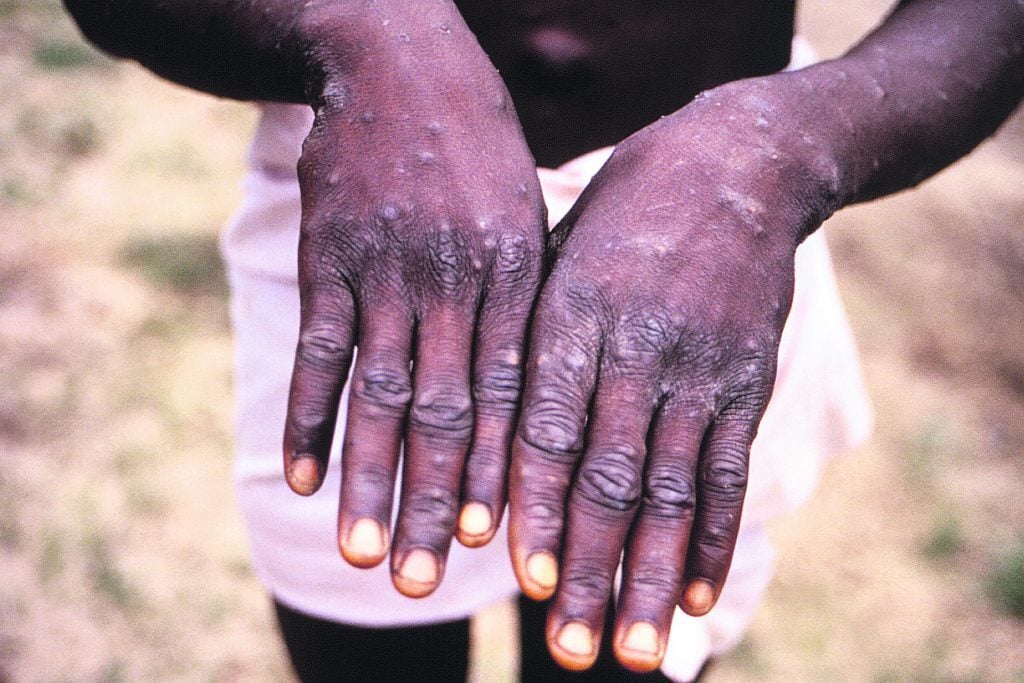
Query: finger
(440, 426)
(322, 359)
(560, 379)
(721, 486)
(605, 497)
(655, 558)
(377, 408)
(497, 377)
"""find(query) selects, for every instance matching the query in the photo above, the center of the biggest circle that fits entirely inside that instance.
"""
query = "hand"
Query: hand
(652, 358)
(421, 240)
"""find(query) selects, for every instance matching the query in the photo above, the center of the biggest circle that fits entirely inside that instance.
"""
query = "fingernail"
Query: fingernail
(366, 541)
(475, 519)
(642, 637)
(699, 597)
(304, 474)
(420, 566)
(576, 639)
(542, 569)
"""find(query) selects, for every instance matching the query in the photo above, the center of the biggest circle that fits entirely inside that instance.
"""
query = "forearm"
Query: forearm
(280, 50)
(924, 89)
(915, 95)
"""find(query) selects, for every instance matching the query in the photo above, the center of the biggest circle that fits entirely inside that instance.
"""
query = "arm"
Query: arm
(422, 229)
(915, 95)
(247, 50)
(655, 338)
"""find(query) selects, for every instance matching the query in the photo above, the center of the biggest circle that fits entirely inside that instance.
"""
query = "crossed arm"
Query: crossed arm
(654, 337)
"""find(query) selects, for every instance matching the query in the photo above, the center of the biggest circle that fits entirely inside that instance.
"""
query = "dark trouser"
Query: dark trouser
(326, 651)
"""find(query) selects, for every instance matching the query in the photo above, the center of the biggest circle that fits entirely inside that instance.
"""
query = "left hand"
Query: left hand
(652, 360)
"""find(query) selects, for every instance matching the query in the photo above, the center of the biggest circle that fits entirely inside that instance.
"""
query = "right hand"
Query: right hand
(421, 242)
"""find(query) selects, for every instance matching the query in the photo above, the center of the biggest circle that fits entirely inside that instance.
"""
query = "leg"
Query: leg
(327, 651)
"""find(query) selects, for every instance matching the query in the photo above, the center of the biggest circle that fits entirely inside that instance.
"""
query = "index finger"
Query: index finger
(560, 380)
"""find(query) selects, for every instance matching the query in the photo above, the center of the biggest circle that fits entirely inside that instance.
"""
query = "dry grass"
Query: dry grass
(122, 557)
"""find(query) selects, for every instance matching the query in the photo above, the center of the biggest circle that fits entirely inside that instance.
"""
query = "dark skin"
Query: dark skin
(654, 337)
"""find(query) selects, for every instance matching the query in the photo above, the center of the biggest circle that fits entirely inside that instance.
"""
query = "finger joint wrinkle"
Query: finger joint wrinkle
(443, 412)
(320, 347)
(612, 480)
(727, 481)
(670, 492)
(497, 386)
(548, 430)
(384, 388)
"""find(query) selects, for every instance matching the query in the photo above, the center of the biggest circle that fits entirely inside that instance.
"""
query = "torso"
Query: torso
(586, 73)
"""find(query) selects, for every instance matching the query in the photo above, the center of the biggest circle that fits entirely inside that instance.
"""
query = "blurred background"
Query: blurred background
(122, 556)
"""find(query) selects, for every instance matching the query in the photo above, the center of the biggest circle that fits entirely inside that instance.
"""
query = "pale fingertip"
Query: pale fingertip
(418, 574)
(303, 475)
(642, 637)
(475, 522)
(640, 648)
(542, 572)
(366, 545)
(699, 597)
(475, 519)
(575, 647)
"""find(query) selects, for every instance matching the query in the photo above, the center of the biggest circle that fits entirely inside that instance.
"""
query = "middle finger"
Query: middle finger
(437, 439)
(604, 498)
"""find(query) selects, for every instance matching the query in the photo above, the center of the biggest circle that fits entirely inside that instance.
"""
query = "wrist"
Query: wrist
(389, 43)
(794, 136)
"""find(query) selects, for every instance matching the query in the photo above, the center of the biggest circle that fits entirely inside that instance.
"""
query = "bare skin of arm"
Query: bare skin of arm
(654, 343)
(421, 240)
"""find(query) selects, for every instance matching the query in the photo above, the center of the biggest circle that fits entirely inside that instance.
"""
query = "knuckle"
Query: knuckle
(384, 388)
(515, 260)
(656, 581)
(497, 386)
(670, 491)
(444, 412)
(726, 479)
(447, 261)
(551, 426)
(588, 580)
(611, 480)
(322, 345)
(747, 407)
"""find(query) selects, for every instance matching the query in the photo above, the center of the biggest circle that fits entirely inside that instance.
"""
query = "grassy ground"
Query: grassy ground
(122, 557)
